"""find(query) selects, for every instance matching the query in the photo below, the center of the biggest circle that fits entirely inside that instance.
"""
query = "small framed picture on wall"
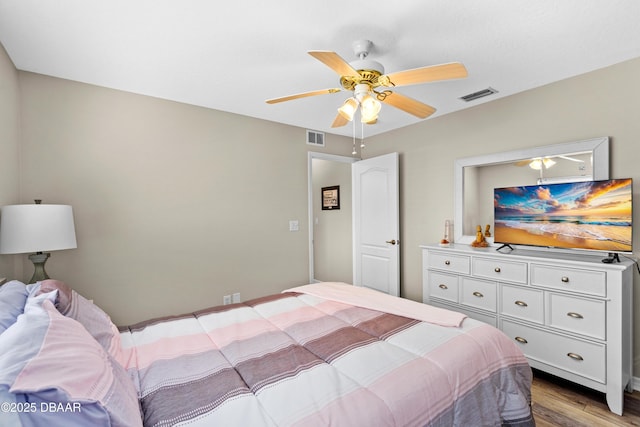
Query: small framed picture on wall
(331, 198)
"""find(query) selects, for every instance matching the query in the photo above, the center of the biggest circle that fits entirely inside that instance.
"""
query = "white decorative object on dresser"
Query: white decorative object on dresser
(570, 313)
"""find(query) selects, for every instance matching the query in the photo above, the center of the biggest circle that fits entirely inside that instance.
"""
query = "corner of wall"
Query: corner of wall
(9, 149)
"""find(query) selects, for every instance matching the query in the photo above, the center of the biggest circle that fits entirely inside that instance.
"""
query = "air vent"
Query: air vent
(479, 94)
(315, 138)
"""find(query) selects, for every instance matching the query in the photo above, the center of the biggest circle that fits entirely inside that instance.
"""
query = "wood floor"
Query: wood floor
(561, 403)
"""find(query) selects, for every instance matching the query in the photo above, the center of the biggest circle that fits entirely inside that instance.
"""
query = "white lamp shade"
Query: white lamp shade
(36, 228)
(536, 164)
(369, 109)
(348, 109)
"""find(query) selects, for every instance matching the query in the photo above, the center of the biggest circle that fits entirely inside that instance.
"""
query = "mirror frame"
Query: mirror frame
(599, 148)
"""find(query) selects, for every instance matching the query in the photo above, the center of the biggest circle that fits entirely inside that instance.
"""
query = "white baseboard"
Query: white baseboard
(635, 381)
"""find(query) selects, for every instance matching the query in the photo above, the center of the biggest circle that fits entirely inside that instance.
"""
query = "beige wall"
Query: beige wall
(177, 205)
(9, 137)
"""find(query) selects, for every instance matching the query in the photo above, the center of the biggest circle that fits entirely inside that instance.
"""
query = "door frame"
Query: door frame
(322, 156)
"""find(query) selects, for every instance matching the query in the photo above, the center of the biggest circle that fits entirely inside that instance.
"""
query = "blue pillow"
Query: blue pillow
(52, 361)
(13, 297)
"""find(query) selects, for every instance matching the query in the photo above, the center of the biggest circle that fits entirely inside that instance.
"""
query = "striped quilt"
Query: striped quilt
(296, 359)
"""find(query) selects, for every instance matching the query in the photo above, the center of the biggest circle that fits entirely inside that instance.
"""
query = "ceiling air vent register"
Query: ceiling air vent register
(479, 94)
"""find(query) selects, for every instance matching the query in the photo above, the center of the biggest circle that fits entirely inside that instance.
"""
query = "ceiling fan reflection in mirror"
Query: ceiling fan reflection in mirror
(366, 79)
(539, 163)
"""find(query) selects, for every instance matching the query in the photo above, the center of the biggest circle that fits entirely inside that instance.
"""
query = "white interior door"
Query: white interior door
(376, 244)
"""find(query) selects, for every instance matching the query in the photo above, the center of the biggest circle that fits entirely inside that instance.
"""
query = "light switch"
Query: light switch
(293, 225)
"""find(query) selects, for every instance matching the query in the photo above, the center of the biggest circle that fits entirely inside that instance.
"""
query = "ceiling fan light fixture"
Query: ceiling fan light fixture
(360, 91)
(539, 163)
(348, 109)
(536, 164)
(369, 109)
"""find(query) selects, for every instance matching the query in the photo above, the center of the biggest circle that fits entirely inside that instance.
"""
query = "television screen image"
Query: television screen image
(593, 215)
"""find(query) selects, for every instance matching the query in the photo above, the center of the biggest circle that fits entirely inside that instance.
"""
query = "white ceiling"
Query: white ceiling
(234, 55)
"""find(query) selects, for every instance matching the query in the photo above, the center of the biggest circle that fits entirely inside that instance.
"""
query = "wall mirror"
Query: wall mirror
(476, 177)
(330, 231)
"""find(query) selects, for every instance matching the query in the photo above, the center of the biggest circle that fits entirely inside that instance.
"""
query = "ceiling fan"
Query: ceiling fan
(546, 162)
(366, 79)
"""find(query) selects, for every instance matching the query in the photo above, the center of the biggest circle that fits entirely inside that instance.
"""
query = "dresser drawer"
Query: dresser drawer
(579, 315)
(449, 262)
(497, 269)
(583, 358)
(443, 286)
(527, 304)
(569, 279)
(478, 293)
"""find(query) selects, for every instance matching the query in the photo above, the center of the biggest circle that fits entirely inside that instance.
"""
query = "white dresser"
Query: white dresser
(570, 313)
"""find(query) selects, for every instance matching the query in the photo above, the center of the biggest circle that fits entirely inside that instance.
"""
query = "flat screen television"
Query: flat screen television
(591, 215)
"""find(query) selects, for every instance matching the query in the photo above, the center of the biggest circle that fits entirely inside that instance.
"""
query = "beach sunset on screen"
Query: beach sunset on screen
(585, 215)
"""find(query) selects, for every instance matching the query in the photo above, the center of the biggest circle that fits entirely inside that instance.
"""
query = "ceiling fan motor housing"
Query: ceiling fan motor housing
(367, 65)
(368, 70)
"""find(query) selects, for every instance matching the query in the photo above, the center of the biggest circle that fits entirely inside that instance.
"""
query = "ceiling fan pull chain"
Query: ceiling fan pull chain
(354, 152)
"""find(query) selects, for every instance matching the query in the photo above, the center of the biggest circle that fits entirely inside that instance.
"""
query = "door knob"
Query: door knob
(392, 242)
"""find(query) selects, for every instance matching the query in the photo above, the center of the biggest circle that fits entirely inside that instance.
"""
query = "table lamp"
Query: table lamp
(36, 228)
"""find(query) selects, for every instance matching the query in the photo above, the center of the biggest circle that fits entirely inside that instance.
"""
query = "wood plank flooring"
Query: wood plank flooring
(557, 402)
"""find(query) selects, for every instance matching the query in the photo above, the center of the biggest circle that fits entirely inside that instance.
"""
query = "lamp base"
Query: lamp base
(38, 261)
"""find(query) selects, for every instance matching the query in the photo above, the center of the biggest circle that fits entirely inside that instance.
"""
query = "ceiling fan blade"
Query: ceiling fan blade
(334, 61)
(303, 95)
(408, 105)
(339, 121)
(452, 70)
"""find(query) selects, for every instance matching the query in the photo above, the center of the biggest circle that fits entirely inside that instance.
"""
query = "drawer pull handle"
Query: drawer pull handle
(447, 262)
(521, 340)
(565, 279)
(575, 315)
(575, 356)
(443, 286)
(478, 294)
(497, 269)
(521, 303)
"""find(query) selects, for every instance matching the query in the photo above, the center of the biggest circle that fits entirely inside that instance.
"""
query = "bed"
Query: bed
(314, 355)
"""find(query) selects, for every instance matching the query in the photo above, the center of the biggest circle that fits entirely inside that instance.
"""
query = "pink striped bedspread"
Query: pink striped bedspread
(296, 359)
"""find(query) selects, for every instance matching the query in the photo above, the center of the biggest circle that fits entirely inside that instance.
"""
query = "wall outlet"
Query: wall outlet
(235, 297)
(226, 299)
(294, 225)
